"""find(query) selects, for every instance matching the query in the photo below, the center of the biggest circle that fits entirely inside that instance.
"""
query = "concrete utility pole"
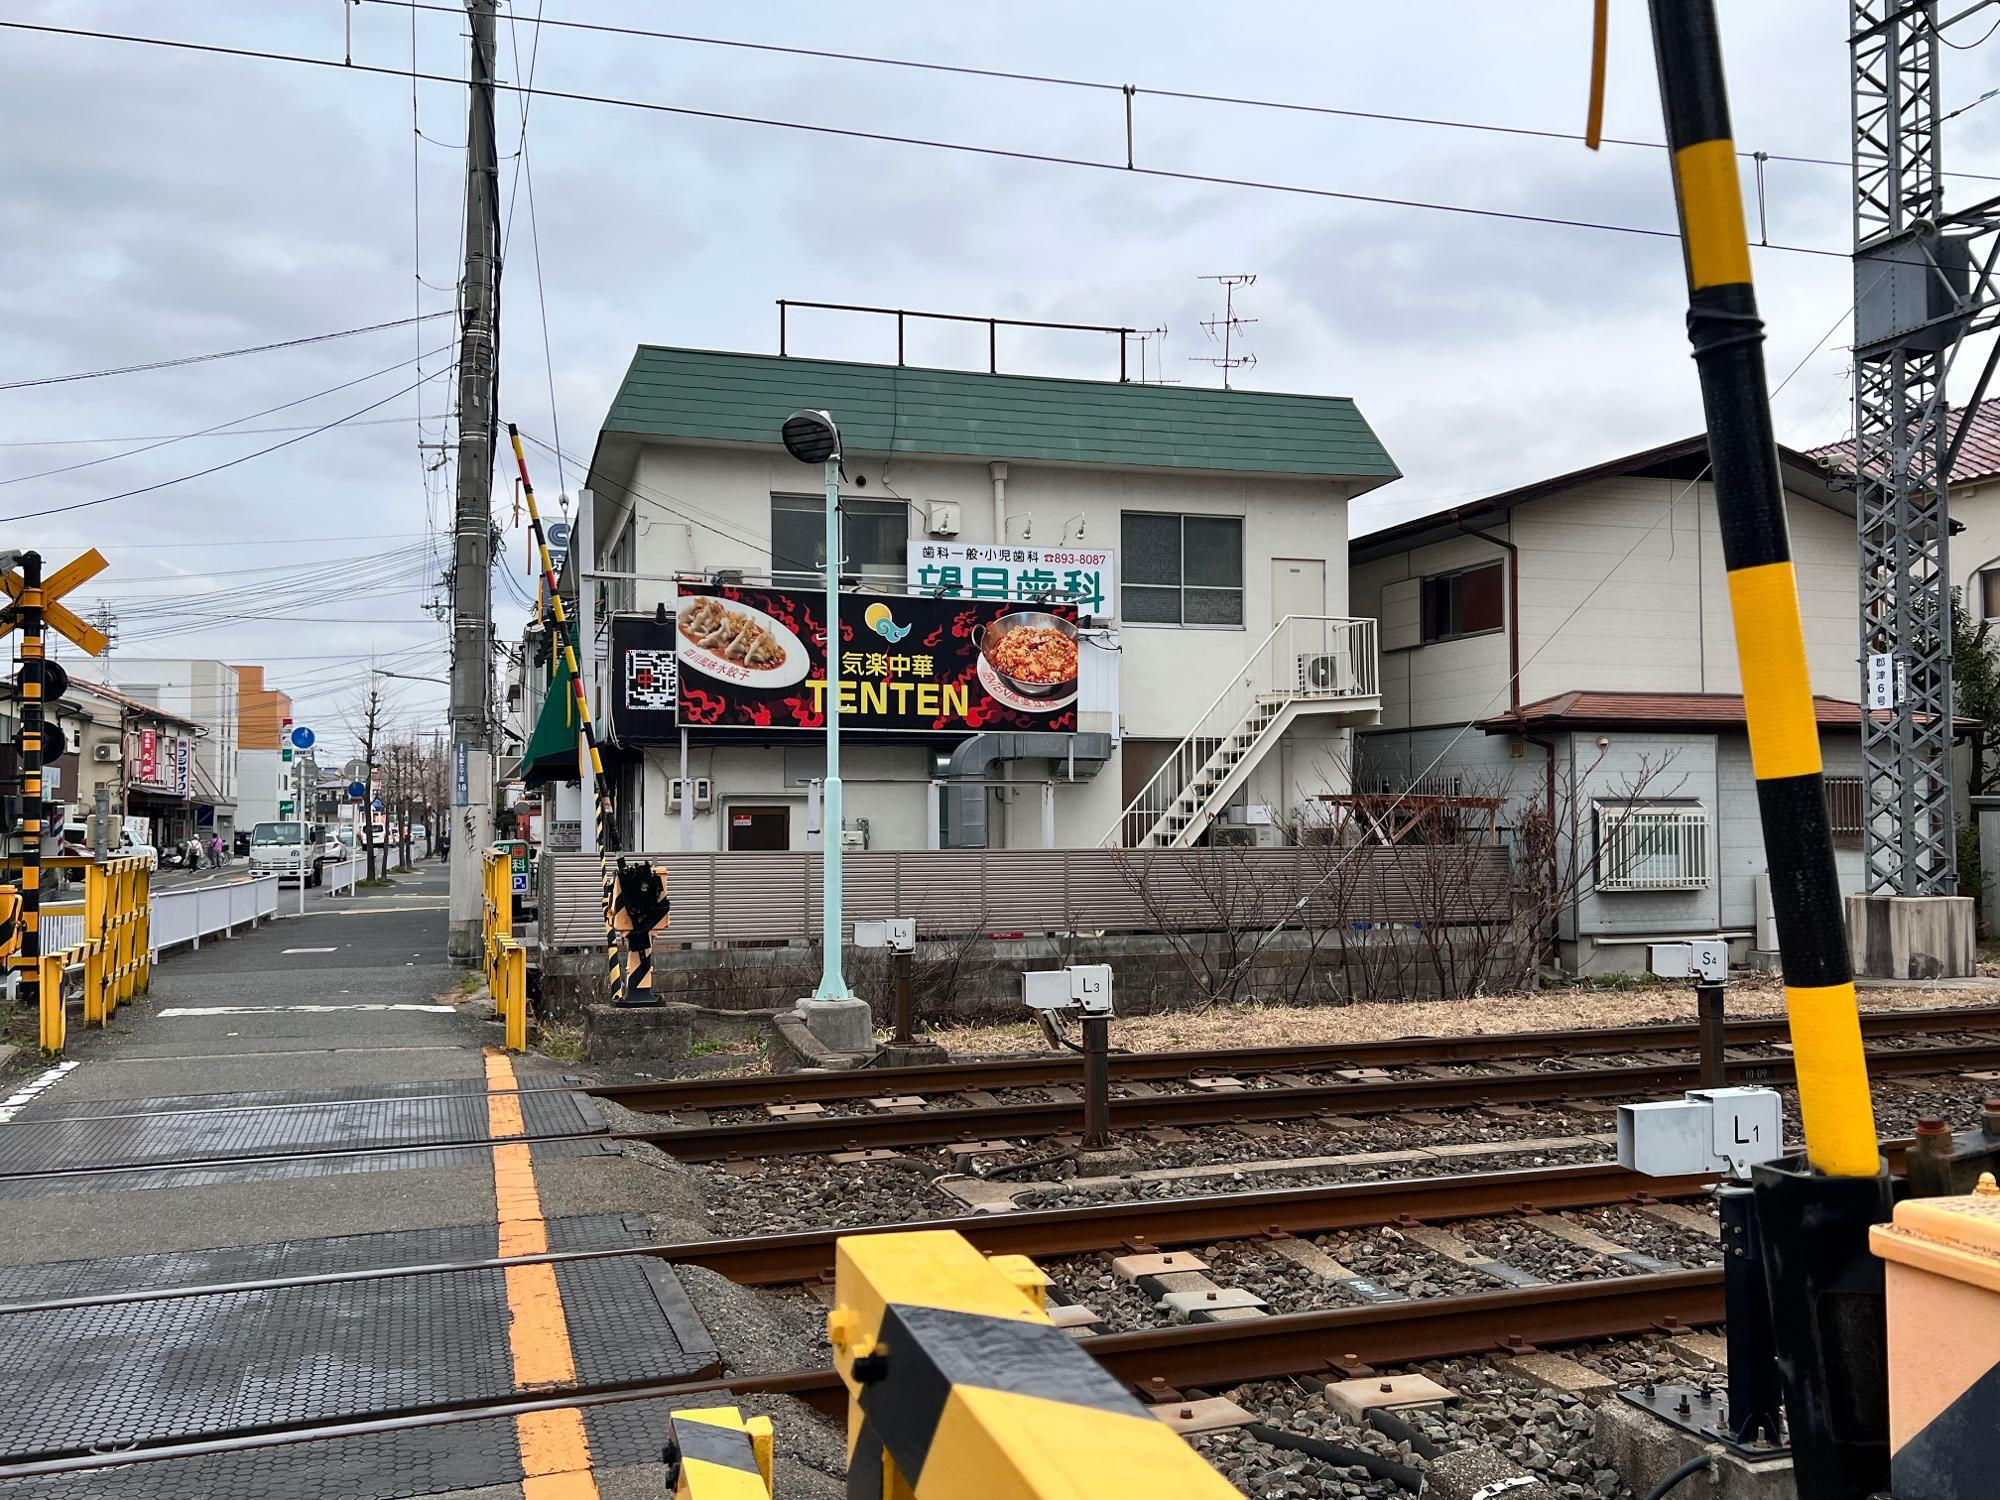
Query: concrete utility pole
(472, 569)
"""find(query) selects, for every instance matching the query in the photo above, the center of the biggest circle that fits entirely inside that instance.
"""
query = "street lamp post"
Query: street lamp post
(811, 437)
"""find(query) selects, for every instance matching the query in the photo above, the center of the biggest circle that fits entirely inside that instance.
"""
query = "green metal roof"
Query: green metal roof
(704, 395)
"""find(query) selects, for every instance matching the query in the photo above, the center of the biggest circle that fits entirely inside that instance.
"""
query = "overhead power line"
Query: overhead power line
(963, 148)
(1004, 75)
(196, 359)
(147, 489)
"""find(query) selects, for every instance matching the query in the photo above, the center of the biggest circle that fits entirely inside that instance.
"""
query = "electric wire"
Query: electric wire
(197, 359)
(963, 148)
(147, 489)
(220, 428)
(1100, 86)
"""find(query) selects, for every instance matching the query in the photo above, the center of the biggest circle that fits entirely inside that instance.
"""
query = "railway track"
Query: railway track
(1156, 1362)
(916, 1119)
(1053, 1070)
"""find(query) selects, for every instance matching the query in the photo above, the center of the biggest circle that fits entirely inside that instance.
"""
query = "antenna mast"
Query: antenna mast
(1228, 324)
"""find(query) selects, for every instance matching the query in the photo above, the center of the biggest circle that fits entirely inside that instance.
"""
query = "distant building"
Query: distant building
(136, 751)
(1576, 633)
(261, 773)
(206, 693)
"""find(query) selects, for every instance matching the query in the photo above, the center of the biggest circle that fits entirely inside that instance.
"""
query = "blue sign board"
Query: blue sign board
(302, 737)
(461, 788)
(357, 789)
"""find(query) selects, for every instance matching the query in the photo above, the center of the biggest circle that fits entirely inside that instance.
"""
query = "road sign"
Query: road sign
(357, 789)
(285, 808)
(59, 617)
(354, 770)
(376, 804)
(302, 737)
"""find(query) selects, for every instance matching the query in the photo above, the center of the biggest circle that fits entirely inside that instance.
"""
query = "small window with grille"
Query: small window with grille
(1843, 810)
(1645, 846)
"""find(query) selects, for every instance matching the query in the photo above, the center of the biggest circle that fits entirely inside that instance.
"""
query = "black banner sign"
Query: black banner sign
(644, 672)
(756, 659)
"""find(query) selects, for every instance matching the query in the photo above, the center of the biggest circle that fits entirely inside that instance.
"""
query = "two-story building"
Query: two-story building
(1064, 617)
(1567, 645)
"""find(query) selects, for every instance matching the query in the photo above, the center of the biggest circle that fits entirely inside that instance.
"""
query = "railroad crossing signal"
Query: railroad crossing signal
(60, 617)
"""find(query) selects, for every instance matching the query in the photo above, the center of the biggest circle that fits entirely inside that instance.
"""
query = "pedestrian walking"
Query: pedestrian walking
(215, 852)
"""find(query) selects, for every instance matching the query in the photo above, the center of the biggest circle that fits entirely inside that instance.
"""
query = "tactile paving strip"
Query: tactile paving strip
(305, 1257)
(75, 1380)
(217, 1134)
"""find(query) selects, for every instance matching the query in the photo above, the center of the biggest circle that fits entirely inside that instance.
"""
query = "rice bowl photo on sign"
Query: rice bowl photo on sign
(737, 643)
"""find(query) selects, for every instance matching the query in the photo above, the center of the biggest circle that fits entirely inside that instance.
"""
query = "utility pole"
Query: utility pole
(472, 567)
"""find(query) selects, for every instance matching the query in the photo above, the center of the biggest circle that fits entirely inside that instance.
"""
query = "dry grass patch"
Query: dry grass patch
(1256, 1025)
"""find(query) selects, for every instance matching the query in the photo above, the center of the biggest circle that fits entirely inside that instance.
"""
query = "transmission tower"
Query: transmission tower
(1225, 328)
(1916, 301)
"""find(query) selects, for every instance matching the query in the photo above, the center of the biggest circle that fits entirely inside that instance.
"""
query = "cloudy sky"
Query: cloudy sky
(161, 203)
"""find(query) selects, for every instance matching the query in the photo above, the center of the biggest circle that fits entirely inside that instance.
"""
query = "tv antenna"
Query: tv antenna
(1146, 336)
(1228, 324)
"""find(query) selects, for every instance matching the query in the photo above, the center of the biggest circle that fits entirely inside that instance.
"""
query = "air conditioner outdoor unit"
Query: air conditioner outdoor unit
(1326, 672)
(107, 752)
(704, 793)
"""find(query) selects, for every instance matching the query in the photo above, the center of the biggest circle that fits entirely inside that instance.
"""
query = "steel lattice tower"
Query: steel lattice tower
(1914, 304)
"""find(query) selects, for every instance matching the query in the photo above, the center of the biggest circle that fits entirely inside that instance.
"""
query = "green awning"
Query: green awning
(551, 751)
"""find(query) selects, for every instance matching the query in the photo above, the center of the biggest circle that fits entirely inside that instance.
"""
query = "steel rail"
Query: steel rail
(825, 1133)
(807, 1255)
(1196, 1354)
(1044, 1070)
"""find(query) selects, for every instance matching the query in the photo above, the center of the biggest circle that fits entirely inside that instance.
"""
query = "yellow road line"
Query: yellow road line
(555, 1449)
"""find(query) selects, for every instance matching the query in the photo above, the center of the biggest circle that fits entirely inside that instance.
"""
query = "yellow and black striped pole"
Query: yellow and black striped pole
(1813, 1216)
(1727, 335)
(588, 758)
(28, 615)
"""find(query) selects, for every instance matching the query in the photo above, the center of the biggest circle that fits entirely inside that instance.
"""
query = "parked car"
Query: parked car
(130, 843)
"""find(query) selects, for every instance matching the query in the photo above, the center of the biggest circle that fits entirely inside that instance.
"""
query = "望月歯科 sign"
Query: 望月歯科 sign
(1085, 578)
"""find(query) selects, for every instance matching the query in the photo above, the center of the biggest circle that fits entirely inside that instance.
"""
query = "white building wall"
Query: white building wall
(1622, 589)
(694, 509)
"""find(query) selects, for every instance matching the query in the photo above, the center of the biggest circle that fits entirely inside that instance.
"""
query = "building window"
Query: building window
(1182, 570)
(1843, 810)
(1468, 603)
(1989, 593)
(1645, 846)
(874, 538)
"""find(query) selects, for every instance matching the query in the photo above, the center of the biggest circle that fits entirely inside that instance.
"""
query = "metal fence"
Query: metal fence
(191, 913)
(743, 897)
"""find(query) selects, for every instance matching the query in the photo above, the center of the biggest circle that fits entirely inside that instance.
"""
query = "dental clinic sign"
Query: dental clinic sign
(1084, 578)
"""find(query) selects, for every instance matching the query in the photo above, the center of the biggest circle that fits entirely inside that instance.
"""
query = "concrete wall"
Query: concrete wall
(1166, 675)
(982, 980)
(1622, 590)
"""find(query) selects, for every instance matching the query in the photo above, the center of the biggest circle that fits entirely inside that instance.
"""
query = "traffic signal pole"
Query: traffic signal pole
(28, 615)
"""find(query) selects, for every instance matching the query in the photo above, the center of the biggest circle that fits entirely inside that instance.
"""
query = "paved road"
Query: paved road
(316, 1097)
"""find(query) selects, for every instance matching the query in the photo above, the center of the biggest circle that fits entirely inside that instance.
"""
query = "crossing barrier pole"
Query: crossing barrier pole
(1814, 1212)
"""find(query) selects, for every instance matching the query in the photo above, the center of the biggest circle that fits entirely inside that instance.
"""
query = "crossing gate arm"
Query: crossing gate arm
(960, 1385)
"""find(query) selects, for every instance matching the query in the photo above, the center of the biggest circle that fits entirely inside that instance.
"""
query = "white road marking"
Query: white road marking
(312, 950)
(258, 1010)
(14, 1103)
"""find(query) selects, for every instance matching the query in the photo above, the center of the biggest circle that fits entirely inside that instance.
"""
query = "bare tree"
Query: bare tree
(365, 718)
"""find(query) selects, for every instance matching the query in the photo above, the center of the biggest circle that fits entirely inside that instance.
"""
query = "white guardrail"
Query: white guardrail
(344, 874)
(191, 913)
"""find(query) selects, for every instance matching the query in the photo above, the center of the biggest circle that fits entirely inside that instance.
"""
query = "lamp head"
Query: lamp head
(811, 437)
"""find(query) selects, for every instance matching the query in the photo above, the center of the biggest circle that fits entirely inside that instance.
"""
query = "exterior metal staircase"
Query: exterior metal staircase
(1307, 665)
